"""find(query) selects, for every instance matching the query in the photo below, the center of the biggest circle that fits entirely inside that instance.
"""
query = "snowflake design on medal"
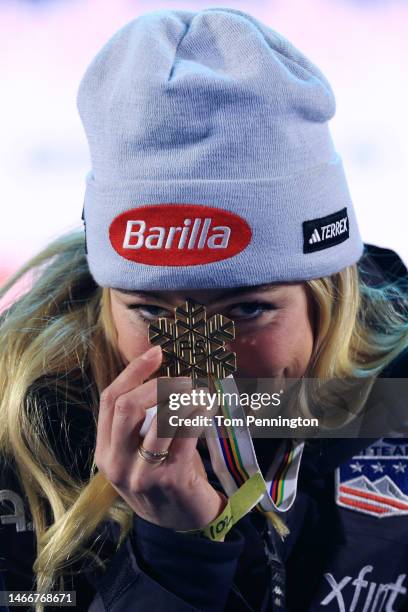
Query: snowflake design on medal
(192, 345)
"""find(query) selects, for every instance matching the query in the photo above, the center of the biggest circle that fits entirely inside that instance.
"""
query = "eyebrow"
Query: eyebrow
(226, 294)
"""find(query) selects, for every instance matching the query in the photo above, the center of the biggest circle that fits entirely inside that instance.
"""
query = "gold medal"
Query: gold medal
(192, 345)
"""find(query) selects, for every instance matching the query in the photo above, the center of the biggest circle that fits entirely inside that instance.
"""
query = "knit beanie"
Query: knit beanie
(212, 160)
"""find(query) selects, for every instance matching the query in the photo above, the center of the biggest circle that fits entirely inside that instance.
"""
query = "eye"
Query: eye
(249, 310)
(148, 312)
(245, 311)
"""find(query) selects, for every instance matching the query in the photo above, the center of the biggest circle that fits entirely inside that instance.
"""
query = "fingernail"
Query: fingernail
(152, 353)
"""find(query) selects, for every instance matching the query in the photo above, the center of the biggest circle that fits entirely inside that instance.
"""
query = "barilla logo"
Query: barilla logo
(326, 231)
(178, 234)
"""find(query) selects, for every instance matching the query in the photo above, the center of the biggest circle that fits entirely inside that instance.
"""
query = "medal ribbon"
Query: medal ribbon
(234, 460)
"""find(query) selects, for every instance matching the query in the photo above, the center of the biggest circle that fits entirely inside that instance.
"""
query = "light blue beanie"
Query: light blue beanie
(212, 161)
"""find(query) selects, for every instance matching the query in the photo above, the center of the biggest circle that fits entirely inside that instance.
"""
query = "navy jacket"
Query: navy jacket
(347, 549)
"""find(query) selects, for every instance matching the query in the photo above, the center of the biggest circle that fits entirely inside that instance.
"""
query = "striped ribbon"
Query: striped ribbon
(234, 459)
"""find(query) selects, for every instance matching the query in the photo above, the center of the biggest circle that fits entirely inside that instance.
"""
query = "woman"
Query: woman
(214, 177)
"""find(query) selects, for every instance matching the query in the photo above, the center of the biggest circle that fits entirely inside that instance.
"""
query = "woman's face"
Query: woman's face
(273, 324)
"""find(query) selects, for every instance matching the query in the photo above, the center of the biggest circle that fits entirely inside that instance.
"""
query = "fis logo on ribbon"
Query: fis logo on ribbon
(178, 234)
(325, 232)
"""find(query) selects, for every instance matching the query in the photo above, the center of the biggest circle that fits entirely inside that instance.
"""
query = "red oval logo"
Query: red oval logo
(178, 234)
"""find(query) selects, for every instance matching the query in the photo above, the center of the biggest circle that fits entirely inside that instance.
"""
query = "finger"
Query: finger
(132, 376)
(130, 412)
(186, 437)
(151, 440)
(180, 448)
(136, 372)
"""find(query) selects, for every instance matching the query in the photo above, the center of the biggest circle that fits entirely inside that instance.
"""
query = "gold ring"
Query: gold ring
(152, 456)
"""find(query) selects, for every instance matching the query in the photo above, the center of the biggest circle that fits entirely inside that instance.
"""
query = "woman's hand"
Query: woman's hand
(175, 493)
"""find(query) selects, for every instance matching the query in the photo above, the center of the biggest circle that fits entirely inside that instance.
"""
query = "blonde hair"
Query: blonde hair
(62, 326)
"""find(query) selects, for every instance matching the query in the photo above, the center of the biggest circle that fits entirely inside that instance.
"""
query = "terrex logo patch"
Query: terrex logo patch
(178, 234)
(326, 231)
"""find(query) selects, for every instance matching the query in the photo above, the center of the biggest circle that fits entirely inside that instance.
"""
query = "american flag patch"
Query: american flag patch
(375, 482)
